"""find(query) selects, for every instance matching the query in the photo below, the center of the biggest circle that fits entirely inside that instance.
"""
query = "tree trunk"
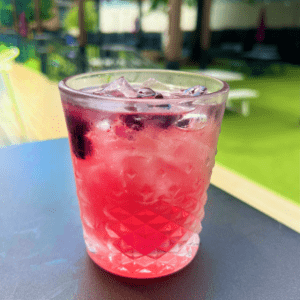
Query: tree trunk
(82, 32)
(201, 38)
(82, 39)
(195, 43)
(15, 17)
(37, 16)
(98, 7)
(174, 44)
(140, 43)
(205, 26)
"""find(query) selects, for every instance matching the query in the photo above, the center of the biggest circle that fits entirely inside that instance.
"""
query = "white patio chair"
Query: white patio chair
(239, 100)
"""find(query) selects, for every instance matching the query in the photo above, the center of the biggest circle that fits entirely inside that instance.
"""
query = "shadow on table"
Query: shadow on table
(95, 283)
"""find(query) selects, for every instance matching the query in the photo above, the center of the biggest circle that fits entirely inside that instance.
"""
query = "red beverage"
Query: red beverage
(142, 177)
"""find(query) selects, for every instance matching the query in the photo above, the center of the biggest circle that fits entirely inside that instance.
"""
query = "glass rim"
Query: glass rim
(63, 87)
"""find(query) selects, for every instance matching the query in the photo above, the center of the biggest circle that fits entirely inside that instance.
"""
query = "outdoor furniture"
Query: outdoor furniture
(224, 75)
(42, 48)
(239, 100)
(261, 57)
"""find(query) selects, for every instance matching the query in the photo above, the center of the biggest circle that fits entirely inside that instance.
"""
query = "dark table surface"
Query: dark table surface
(243, 253)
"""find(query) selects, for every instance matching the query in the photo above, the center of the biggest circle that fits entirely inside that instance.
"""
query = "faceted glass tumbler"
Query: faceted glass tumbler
(142, 167)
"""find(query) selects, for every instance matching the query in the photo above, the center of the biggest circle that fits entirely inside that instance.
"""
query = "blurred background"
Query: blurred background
(253, 45)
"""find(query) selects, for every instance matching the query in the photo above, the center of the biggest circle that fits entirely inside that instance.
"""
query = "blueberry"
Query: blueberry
(215, 112)
(134, 122)
(78, 128)
(158, 96)
(164, 121)
(219, 112)
(183, 123)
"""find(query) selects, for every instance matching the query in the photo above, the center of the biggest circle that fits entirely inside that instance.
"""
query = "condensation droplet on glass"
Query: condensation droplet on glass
(130, 174)
(90, 247)
(162, 173)
(189, 168)
(207, 161)
(87, 221)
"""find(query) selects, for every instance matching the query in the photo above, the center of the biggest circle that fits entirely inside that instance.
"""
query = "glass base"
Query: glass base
(148, 267)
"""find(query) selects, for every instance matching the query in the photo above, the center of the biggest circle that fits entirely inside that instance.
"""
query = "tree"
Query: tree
(90, 17)
(201, 36)
(174, 40)
(28, 6)
(11, 9)
(6, 15)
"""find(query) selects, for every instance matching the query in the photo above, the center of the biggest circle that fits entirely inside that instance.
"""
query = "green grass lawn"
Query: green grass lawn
(265, 147)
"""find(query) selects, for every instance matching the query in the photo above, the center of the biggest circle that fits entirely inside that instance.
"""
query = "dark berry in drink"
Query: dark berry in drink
(183, 123)
(164, 121)
(78, 128)
(158, 96)
(134, 122)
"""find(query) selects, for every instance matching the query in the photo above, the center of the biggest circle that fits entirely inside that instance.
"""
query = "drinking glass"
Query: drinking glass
(142, 165)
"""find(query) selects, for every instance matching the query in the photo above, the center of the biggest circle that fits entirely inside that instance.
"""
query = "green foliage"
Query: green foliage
(59, 67)
(90, 17)
(33, 64)
(6, 17)
(27, 6)
(92, 51)
(3, 47)
(155, 4)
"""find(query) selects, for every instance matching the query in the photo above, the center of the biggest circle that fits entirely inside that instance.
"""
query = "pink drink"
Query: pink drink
(141, 181)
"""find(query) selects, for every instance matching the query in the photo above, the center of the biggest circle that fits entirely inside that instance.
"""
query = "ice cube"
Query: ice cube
(195, 91)
(145, 92)
(164, 121)
(148, 93)
(156, 85)
(192, 121)
(118, 88)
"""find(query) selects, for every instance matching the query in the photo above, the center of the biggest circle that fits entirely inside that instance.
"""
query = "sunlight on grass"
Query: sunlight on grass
(265, 147)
